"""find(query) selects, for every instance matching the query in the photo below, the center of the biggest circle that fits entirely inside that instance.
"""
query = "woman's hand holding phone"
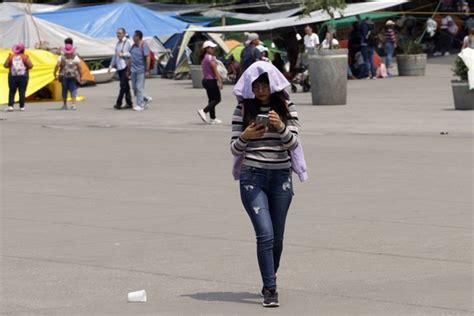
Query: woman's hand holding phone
(253, 131)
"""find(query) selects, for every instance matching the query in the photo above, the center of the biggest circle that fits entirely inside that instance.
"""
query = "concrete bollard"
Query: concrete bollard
(196, 76)
(328, 73)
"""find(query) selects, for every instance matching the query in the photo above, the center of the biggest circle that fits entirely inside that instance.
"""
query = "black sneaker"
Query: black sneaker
(270, 298)
(128, 106)
(263, 288)
(117, 107)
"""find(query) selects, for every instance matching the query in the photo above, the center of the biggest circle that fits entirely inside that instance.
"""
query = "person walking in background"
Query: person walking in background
(212, 82)
(138, 69)
(19, 65)
(390, 43)
(250, 53)
(119, 62)
(264, 133)
(292, 48)
(311, 40)
(70, 74)
(368, 44)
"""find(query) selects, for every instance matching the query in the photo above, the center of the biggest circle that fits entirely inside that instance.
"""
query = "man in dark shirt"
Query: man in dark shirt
(250, 53)
(368, 43)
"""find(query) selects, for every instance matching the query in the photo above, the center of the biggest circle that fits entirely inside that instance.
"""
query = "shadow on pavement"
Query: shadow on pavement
(240, 297)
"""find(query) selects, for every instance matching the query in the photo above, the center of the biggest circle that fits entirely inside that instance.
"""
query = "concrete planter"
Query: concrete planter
(411, 65)
(463, 97)
(328, 73)
(196, 76)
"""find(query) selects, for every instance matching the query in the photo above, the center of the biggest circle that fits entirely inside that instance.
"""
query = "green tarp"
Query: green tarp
(345, 22)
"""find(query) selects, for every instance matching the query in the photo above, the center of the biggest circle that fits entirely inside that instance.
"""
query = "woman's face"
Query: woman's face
(261, 91)
(211, 50)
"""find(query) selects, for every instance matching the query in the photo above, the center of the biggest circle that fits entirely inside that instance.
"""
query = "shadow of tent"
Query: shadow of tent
(240, 297)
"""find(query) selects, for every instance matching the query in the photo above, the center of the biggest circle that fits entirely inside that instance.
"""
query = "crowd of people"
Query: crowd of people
(133, 60)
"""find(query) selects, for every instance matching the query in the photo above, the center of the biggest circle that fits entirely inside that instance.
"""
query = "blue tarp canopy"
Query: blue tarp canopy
(102, 21)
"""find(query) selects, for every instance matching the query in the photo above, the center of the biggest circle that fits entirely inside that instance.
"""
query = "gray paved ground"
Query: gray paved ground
(97, 203)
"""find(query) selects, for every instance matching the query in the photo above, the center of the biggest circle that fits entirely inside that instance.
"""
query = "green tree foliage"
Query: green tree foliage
(330, 6)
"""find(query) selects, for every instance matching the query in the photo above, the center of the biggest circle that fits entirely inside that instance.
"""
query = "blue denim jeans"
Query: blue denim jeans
(368, 55)
(389, 49)
(69, 84)
(138, 86)
(266, 196)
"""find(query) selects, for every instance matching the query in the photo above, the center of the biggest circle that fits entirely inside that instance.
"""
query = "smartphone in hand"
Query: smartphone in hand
(262, 119)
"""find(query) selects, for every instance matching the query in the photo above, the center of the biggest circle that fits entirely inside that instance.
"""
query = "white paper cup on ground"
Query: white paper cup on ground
(137, 297)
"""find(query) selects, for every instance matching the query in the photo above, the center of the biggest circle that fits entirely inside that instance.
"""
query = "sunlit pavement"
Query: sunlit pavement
(98, 203)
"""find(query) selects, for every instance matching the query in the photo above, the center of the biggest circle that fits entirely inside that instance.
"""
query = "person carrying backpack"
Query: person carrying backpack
(69, 66)
(250, 53)
(368, 43)
(139, 65)
(19, 65)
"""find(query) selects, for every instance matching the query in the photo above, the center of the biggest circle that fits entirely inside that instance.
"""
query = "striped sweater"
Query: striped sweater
(390, 36)
(270, 151)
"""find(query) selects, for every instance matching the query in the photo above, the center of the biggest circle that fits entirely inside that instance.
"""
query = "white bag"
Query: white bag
(221, 69)
(467, 55)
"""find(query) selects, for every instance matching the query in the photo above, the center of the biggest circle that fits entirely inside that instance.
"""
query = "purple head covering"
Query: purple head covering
(243, 88)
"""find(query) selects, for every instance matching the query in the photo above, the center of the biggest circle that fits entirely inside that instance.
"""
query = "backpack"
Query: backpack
(69, 68)
(18, 67)
(152, 56)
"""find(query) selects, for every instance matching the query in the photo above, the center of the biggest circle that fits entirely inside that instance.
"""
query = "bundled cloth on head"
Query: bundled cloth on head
(278, 83)
(467, 56)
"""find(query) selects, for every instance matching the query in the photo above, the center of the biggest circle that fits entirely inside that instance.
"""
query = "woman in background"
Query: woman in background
(19, 65)
(70, 74)
(212, 82)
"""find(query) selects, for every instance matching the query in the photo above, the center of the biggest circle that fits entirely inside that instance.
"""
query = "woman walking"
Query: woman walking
(19, 65)
(212, 82)
(264, 140)
(70, 74)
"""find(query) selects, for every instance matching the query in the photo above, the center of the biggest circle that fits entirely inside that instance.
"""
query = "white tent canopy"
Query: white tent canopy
(187, 37)
(253, 17)
(32, 31)
(314, 17)
(10, 9)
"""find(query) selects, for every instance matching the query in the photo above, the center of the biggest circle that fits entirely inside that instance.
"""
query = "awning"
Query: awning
(102, 21)
(253, 17)
(375, 16)
(10, 9)
(314, 17)
(35, 32)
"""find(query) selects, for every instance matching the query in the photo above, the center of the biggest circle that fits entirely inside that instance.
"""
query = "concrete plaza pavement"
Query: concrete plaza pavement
(98, 203)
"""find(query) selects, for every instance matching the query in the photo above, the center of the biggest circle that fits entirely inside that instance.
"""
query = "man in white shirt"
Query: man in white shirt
(311, 40)
(119, 62)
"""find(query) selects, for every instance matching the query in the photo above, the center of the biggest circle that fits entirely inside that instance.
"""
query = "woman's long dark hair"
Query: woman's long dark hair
(278, 103)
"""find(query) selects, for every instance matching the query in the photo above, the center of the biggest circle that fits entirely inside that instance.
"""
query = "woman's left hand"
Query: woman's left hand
(275, 120)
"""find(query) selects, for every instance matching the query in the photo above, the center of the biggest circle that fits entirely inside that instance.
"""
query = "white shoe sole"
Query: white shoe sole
(271, 305)
(203, 117)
